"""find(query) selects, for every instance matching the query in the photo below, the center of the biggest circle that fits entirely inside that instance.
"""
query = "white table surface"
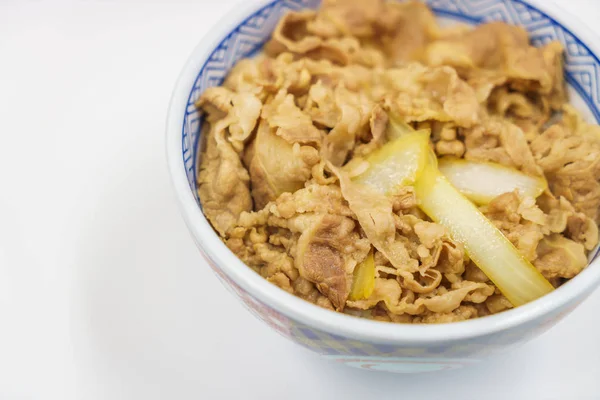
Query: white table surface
(102, 292)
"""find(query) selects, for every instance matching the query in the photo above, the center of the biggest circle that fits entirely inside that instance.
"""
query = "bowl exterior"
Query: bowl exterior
(245, 38)
(378, 356)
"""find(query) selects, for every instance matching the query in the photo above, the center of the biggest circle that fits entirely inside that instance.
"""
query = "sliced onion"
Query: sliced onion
(397, 128)
(395, 164)
(516, 278)
(364, 279)
(483, 181)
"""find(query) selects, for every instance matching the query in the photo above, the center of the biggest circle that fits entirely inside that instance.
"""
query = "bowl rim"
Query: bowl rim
(303, 311)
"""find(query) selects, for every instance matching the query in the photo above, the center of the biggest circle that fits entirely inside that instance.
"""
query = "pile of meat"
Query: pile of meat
(319, 96)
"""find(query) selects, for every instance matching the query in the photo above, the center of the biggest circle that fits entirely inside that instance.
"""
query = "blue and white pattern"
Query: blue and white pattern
(582, 74)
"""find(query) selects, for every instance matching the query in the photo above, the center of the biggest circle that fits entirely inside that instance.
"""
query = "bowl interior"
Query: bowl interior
(581, 65)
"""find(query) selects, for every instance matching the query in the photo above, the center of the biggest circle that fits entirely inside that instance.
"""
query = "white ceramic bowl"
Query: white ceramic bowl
(354, 341)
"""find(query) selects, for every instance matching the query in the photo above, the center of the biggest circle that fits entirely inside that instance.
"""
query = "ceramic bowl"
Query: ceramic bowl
(359, 342)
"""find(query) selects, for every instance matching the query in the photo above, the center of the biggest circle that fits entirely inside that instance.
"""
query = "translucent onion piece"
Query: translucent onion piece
(516, 278)
(397, 128)
(483, 181)
(396, 164)
(364, 279)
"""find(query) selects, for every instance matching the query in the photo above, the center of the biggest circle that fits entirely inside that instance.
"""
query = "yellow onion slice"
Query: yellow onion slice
(397, 128)
(364, 279)
(481, 182)
(396, 164)
(516, 278)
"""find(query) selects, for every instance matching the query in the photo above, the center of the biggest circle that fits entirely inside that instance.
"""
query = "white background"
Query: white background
(102, 292)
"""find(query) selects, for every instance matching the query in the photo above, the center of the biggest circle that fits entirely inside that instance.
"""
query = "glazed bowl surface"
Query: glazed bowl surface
(359, 342)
